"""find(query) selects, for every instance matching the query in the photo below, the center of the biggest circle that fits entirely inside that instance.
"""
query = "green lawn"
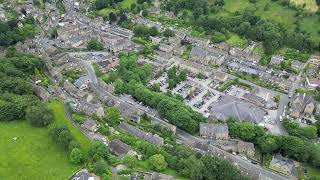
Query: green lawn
(59, 118)
(313, 172)
(274, 12)
(236, 40)
(33, 155)
(127, 3)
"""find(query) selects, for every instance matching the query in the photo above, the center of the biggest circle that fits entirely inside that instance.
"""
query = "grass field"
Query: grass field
(275, 12)
(33, 155)
(59, 118)
(127, 3)
(311, 5)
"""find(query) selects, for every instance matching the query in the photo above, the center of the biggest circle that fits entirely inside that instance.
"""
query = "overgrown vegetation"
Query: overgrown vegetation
(295, 145)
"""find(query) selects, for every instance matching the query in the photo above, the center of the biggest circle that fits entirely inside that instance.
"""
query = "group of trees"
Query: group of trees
(245, 23)
(184, 160)
(63, 137)
(133, 79)
(94, 44)
(294, 145)
(294, 129)
(145, 31)
(11, 33)
(17, 99)
(175, 76)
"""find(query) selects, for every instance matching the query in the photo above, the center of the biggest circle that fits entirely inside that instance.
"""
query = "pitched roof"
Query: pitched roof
(154, 139)
(206, 128)
(118, 147)
(232, 107)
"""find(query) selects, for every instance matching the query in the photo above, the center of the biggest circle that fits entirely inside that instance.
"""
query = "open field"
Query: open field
(127, 3)
(270, 10)
(59, 118)
(33, 155)
(311, 5)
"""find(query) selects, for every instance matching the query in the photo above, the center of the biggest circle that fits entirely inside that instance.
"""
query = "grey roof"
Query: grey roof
(242, 68)
(276, 59)
(89, 123)
(282, 161)
(154, 139)
(245, 146)
(296, 64)
(229, 106)
(81, 81)
(207, 129)
(118, 147)
(103, 64)
(198, 52)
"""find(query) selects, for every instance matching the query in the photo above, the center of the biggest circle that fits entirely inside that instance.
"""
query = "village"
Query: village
(213, 83)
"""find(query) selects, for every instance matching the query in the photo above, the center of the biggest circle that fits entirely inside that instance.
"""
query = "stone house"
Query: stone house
(214, 131)
(120, 149)
(90, 125)
(282, 164)
(276, 60)
(246, 148)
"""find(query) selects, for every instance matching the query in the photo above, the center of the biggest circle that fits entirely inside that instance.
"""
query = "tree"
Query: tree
(97, 151)
(76, 156)
(39, 116)
(216, 168)
(112, 17)
(268, 144)
(157, 162)
(94, 44)
(61, 135)
(99, 167)
(145, 13)
(130, 161)
(112, 116)
(245, 131)
(277, 98)
(168, 33)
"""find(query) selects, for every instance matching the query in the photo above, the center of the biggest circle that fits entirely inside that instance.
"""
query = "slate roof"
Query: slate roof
(81, 81)
(278, 160)
(207, 129)
(229, 106)
(154, 139)
(118, 147)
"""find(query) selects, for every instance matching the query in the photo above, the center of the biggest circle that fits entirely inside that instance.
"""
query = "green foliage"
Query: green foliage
(168, 33)
(76, 156)
(72, 74)
(61, 135)
(245, 131)
(145, 31)
(157, 162)
(99, 167)
(217, 168)
(10, 33)
(95, 45)
(130, 161)
(112, 116)
(277, 98)
(175, 76)
(97, 151)
(294, 129)
(39, 116)
(218, 37)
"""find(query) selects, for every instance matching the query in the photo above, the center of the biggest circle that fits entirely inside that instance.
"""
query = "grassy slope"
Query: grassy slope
(275, 12)
(33, 155)
(311, 5)
(58, 109)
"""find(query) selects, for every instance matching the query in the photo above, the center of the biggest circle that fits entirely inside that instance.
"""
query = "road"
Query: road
(182, 135)
(186, 137)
